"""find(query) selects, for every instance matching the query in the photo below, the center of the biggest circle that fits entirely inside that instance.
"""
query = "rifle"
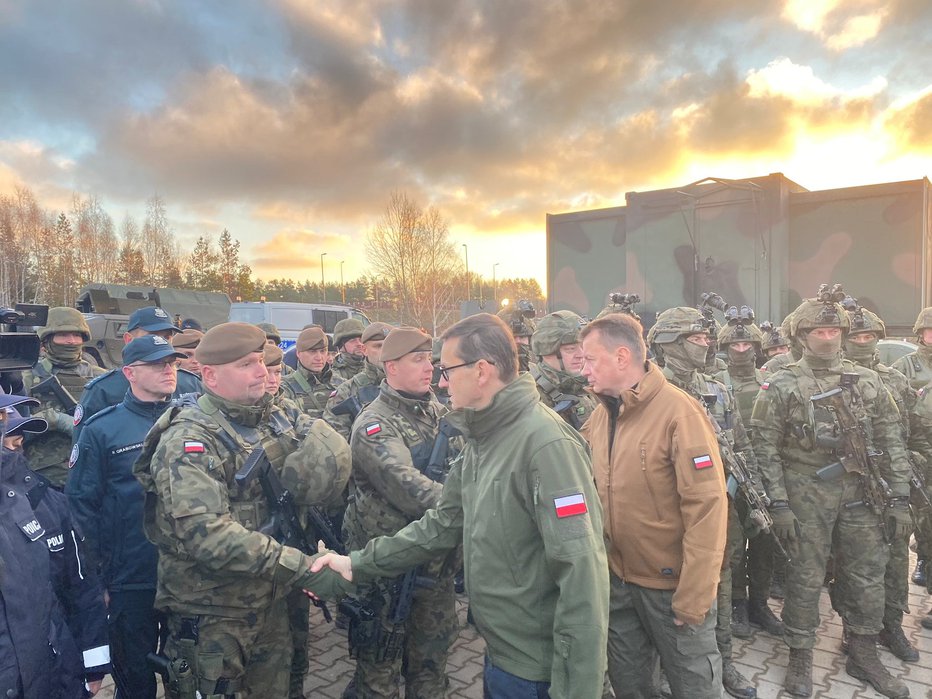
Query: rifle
(52, 387)
(176, 674)
(854, 456)
(285, 524)
(354, 405)
(436, 468)
(918, 482)
(565, 409)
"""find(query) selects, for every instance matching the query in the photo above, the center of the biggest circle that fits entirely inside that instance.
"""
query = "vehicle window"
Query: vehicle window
(248, 314)
(360, 316)
(328, 319)
(290, 318)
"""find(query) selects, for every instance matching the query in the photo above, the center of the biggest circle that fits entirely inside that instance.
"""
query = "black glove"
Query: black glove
(899, 518)
(785, 524)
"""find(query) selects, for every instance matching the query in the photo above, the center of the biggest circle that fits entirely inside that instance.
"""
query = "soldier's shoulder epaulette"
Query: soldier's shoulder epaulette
(100, 414)
(100, 379)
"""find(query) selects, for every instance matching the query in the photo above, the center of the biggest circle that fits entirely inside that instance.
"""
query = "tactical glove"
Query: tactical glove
(58, 421)
(785, 524)
(899, 518)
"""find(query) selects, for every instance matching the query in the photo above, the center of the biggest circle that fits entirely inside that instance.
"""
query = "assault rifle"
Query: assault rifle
(176, 674)
(566, 409)
(355, 404)
(285, 525)
(51, 387)
(918, 482)
(851, 446)
(436, 468)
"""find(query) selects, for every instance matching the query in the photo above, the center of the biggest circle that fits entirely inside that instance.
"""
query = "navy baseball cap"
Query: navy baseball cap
(8, 401)
(150, 319)
(147, 349)
(16, 424)
(192, 324)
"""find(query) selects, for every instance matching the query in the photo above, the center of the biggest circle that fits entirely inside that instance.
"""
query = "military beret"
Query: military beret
(272, 355)
(187, 339)
(376, 331)
(404, 340)
(228, 342)
(311, 338)
(148, 349)
(150, 319)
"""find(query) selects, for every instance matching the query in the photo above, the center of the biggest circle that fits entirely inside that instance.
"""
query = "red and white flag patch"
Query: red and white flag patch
(569, 505)
(704, 461)
(764, 386)
(372, 429)
(194, 447)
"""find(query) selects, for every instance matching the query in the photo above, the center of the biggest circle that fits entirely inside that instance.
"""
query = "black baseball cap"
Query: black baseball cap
(8, 401)
(148, 349)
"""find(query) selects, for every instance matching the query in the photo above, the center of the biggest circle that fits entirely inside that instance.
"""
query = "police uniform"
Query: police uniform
(221, 581)
(391, 444)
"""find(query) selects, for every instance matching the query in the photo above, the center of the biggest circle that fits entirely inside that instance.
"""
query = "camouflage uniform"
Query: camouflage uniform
(391, 445)
(681, 360)
(310, 389)
(364, 386)
(921, 442)
(346, 366)
(48, 453)
(791, 437)
(520, 319)
(222, 582)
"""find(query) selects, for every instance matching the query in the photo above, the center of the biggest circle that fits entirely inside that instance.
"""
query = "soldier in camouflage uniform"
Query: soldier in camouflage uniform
(781, 359)
(917, 367)
(185, 343)
(313, 382)
(867, 329)
(794, 439)
(274, 338)
(556, 348)
(391, 443)
(357, 392)
(520, 319)
(752, 564)
(351, 353)
(680, 341)
(773, 341)
(920, 426)
(221, 581)
(62, 340)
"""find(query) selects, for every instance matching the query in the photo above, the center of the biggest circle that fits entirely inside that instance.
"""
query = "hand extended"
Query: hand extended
(336, 562)
(899, 518)
(785, 524)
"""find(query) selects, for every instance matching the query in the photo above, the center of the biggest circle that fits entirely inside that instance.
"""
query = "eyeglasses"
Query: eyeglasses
(158, 366)
(445, 370)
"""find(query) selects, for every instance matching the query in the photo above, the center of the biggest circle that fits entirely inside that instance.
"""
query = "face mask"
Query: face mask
(691, 355)
(63, 354)
(822, 349)
(741, 359)
(857, 352)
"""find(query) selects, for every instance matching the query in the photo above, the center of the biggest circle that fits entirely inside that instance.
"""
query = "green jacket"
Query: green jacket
(537, 582)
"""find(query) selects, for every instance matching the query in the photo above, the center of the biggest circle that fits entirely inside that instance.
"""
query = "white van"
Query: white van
(291, 318)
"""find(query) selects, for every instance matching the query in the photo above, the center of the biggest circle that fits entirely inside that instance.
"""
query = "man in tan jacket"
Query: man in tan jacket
(660, 479)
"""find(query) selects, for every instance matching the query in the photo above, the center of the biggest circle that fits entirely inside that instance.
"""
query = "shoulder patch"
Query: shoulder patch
(372, 429)
(73, 459)
(764, 386)
(570, 505)
(78, 414)
(701, 462)
(191, 447)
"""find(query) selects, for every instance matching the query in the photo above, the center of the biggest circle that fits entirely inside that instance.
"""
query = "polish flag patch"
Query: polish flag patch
(194, 447)
(570, 505)
(764, 386)
(372, 429)
(701, 462)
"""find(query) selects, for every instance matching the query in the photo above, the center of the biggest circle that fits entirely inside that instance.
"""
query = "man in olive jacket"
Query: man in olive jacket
(523, 493)
(661, 482)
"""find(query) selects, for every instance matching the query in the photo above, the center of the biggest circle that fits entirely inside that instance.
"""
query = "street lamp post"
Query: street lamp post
(323, 289)
(342, 288)
(494, 287)
(468, 288)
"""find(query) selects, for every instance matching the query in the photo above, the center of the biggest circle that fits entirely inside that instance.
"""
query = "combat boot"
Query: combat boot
(798, 680)
(864, 664)
(760, 614)
(740, 627)
(895, 640)
(736, 684)
(919, 574)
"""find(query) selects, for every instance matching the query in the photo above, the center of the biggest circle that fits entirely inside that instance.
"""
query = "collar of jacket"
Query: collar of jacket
(564, 381)
(350, 361)
(246, 415)
(373, 371)
(392, 398)
(148, 409)
(632, 398)
(507, 406)
(316, 378)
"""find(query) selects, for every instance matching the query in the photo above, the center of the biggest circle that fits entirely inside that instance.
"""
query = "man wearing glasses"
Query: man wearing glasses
(521, 501)
(107, 502)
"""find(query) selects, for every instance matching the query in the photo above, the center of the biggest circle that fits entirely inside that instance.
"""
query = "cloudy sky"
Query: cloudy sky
(290, 122)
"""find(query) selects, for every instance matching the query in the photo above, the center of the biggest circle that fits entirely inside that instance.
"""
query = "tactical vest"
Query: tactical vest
(312, 399)
(582, 404)
(744, 389)
(72, 379)
(916, 371)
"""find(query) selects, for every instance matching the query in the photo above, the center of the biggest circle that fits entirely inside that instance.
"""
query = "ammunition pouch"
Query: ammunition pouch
(206, 668)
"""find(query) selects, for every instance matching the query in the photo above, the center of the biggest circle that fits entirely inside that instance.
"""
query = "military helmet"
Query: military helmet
(63, 319)
(924, 321)
(675, 322)
(347, 329)
(271, 332)
(813, 313)
(772, 336)
(740, 333)
(863, 321)
(555, 330)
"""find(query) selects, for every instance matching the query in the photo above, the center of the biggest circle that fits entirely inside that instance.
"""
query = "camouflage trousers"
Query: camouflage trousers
(241, 658)
(733, 541)
(923, 520)
(299, 608)
(752, 566)
(852, 535)
(427, 636)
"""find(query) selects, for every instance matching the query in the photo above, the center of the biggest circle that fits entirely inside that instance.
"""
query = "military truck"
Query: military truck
(107, 308)
(766, 242)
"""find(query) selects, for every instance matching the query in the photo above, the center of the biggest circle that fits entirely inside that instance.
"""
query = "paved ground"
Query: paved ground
(762, 659)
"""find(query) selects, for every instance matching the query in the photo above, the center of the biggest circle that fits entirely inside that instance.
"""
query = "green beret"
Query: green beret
(272, 355)
(228, 342)
(405, 340)
(376, 331)
(311, 338)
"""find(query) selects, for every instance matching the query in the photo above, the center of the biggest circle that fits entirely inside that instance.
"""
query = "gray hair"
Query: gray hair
(619, 329)
(484, 336)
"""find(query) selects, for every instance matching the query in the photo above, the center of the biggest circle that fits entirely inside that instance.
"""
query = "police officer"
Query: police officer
(520, 319)
(62, 340)
(107, 501)
(752, 564)
(391, 443)
(555, 345)
(795, 437)
(185, 343)
(221, 581)
(313, 382)
(867, 329)
(351, 354)
(111, 388)
(680, 340)
(917, 367)
(355, 393)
